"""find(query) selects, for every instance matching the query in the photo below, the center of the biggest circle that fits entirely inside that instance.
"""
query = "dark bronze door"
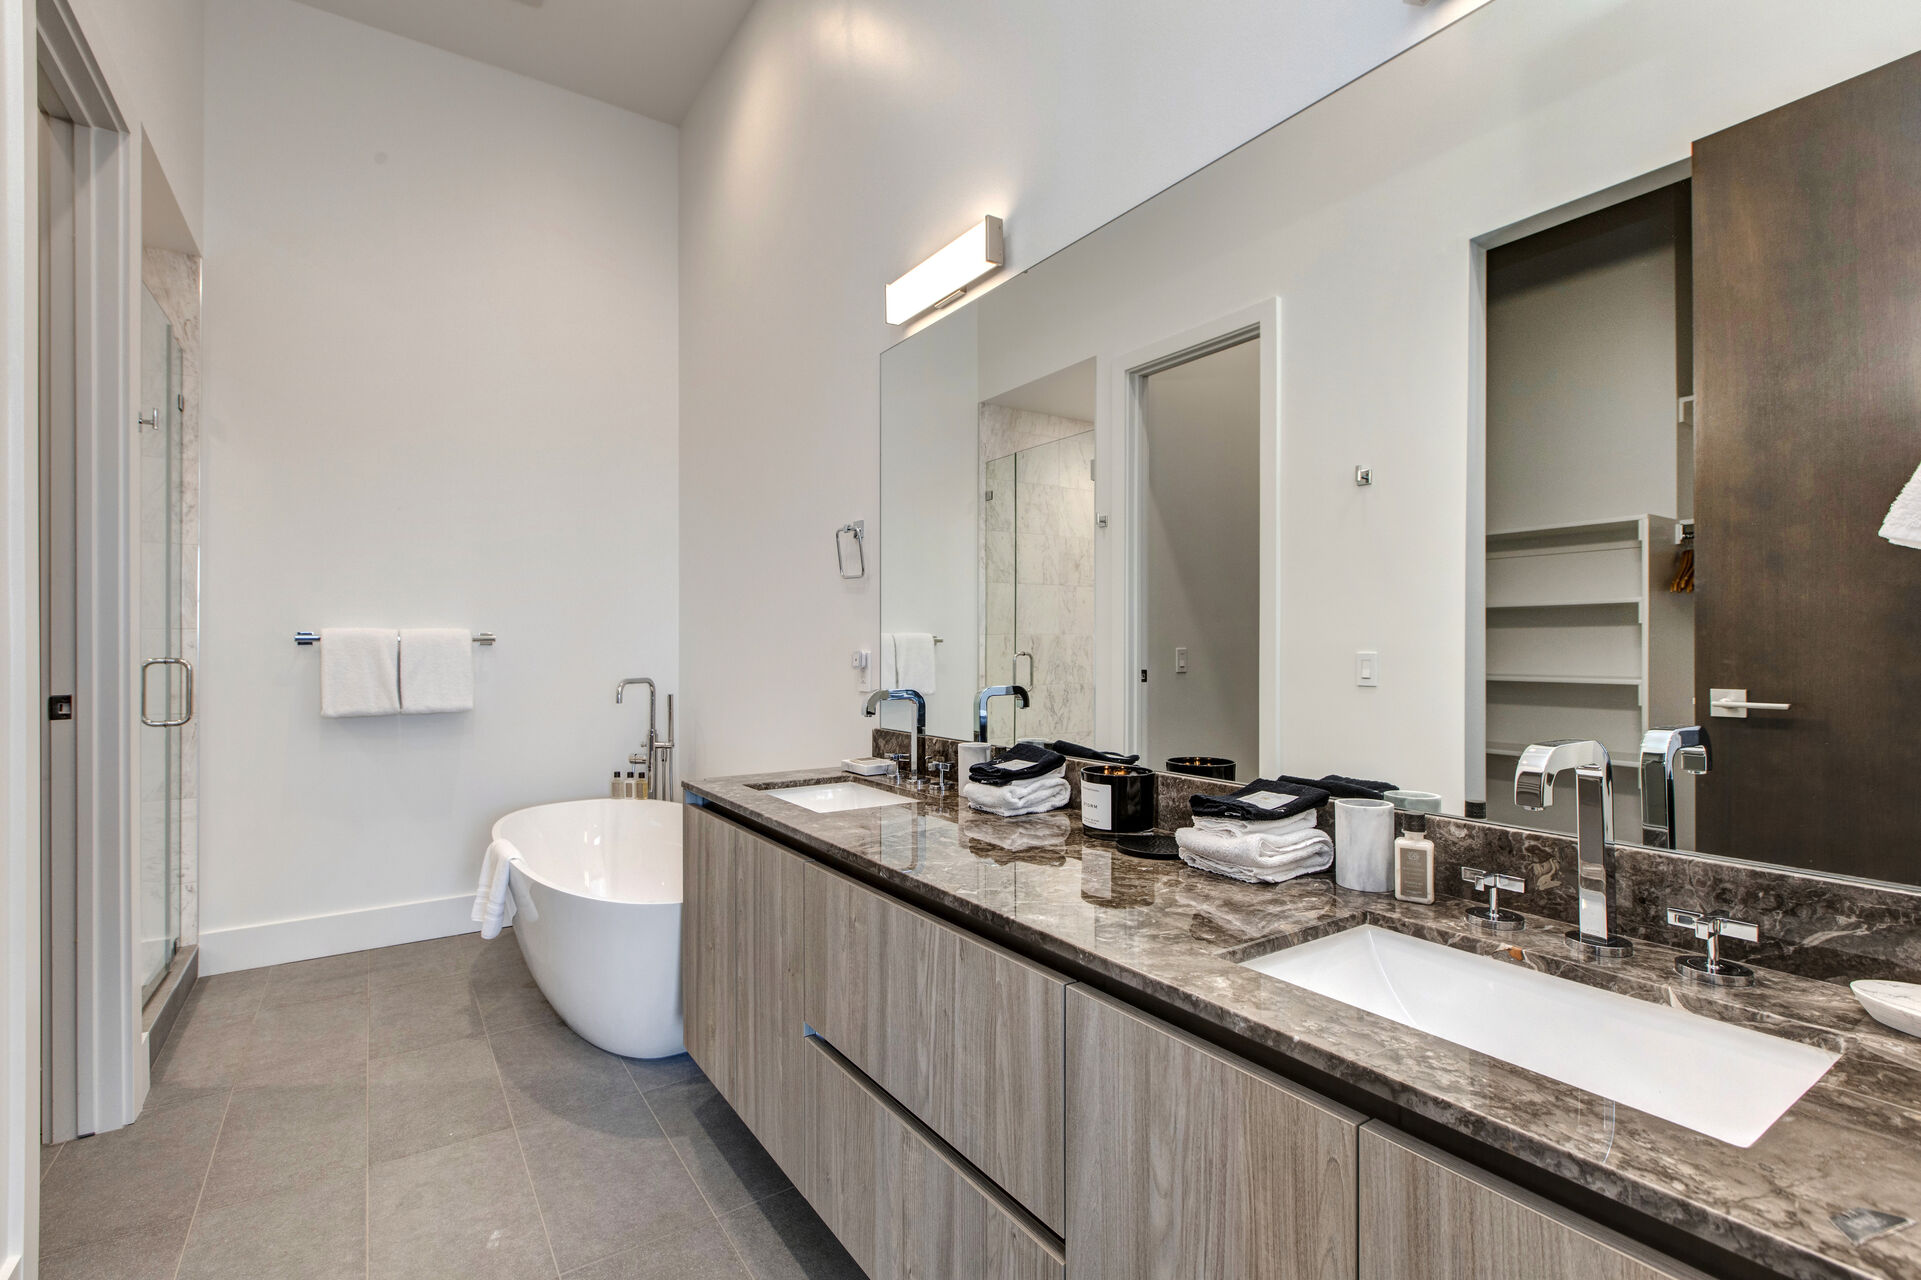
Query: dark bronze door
(1807, 273)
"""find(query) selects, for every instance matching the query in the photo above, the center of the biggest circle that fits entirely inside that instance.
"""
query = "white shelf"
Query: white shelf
(1519, 678)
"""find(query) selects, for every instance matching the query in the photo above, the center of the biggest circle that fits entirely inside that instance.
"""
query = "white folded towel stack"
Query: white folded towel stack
(493, 903)
(1257, 852)
(1903, 525)
(1030, 795)
(436, 670)
(359, 672)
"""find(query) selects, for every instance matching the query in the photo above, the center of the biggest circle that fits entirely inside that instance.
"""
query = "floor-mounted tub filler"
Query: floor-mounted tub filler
(597, 895)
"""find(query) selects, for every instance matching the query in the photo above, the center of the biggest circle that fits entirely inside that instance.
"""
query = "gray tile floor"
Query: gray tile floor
(415, 1113)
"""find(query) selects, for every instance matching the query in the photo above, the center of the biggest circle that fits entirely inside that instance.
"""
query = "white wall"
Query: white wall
(836, 145)
(930, 472)
(441, 349)
(151, 54)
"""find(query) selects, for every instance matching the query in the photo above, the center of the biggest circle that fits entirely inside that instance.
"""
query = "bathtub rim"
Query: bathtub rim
(522, 864)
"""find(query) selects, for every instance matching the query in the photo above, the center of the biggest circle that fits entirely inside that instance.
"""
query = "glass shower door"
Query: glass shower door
(166, 681)
(1038, 575)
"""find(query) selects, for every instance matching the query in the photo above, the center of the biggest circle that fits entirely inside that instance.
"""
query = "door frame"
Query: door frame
(108, 1079)
(1120, 564)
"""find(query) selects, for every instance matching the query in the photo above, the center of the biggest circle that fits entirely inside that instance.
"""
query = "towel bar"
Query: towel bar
(304, 638)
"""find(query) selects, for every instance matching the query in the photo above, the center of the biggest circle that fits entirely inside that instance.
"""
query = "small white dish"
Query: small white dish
(1892, 1004)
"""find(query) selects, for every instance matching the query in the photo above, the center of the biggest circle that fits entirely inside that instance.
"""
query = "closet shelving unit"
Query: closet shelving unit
(1584, 639)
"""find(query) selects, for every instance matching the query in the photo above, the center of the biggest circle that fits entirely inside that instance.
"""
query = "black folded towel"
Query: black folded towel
(1026, 760)
(1297, 796)
(1079, 752)
(1342, 787)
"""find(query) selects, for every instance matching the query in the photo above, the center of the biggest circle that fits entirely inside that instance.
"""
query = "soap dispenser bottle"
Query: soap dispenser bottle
(1414, 861)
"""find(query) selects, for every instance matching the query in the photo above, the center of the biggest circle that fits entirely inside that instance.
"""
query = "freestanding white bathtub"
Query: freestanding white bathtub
(603, 936)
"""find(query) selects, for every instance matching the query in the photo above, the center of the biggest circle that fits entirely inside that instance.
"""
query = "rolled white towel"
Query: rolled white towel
(1256, 859)
(1038, 796)
(493, 904)
(1276, 829)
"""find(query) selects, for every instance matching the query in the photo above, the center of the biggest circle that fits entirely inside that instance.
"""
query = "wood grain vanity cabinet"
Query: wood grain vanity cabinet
(1186, 1163)
(741, 980)
(967, 1037)
(900, 1203)
(1427, 1216)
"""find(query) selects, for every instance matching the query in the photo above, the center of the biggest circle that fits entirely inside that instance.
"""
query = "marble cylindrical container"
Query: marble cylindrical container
(1364, 845)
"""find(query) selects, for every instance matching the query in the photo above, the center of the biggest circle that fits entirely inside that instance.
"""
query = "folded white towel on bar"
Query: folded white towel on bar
(493, 901)
(436, 670)
(1903, 525)
(1255, 859)
(359, 672)
(914, 661)
(1032, 795)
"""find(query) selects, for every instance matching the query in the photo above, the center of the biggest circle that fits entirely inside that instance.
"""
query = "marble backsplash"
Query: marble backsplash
(1816, 926)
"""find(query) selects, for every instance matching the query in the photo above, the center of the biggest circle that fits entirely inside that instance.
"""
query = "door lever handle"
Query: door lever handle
(1734, 704)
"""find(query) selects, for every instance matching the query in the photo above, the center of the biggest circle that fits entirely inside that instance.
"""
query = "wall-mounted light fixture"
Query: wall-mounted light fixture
(945, 276)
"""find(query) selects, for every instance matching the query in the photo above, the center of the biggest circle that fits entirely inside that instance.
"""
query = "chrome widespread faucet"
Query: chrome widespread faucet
(658, 758)
(1594, 805)
(1661, 750)
(994, 691)
(881, 696)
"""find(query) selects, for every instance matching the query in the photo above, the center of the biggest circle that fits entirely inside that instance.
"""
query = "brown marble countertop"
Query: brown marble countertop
(1174, 937)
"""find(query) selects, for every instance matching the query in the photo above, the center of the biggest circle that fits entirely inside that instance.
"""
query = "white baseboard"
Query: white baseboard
(282, 941)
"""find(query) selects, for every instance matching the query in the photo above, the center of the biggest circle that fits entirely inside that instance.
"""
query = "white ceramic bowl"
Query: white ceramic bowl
(1893, 1004)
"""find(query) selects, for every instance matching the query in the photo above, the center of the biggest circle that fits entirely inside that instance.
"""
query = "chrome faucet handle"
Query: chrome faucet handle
(1711, 968)
(1493, 915)
(900, 766)
(942, 768)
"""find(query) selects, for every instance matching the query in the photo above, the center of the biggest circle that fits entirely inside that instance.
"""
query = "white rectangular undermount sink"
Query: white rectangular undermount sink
(1726, 1081)
(838, 797)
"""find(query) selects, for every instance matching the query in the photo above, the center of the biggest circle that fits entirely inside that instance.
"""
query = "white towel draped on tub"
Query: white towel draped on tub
(359, 672)
(493, 903)
(436, 670)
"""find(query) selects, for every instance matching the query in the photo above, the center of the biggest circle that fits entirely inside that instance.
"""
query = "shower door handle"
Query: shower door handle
(147, 666)
(1014, 675)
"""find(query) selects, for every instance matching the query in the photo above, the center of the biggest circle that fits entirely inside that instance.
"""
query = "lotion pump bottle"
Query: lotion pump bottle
(1414, 861)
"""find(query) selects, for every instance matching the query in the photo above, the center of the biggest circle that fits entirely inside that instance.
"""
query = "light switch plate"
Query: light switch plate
(1367, 668)
(1180, 660)
(864, 663)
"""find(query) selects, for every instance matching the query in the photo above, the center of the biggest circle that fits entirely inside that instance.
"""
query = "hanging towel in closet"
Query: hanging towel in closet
(359, 672)
(1903, 525)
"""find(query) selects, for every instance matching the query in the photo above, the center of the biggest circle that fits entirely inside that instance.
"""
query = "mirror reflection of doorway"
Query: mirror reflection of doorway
(1200, 590)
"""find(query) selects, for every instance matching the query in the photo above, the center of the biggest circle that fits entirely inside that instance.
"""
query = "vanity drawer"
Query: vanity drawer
(967, 1037)
(1427, 1216)
(1188, 1163)
(900, 1203)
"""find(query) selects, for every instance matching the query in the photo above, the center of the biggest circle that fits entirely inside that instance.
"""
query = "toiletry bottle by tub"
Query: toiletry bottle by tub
(1414, 861)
